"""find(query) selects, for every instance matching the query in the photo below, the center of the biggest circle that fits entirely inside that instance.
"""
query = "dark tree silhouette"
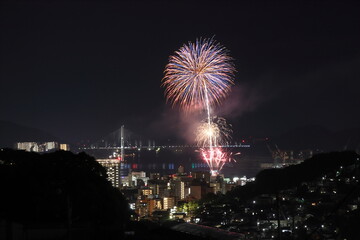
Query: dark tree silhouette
(274, 180)
(57, 187)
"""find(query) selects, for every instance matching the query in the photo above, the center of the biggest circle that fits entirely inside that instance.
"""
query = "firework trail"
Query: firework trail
(197, 77)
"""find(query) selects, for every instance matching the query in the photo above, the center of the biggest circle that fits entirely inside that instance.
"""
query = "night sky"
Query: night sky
(81, 70)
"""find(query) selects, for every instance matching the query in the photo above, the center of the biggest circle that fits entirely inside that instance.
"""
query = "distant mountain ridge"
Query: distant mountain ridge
(10, 133)
(318, 137)
(300, 138)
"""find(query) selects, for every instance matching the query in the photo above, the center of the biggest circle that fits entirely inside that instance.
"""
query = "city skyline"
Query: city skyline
(81, 70)
(179, 119)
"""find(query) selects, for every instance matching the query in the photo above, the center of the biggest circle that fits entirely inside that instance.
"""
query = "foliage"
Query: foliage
(189, 207)
(51, 187)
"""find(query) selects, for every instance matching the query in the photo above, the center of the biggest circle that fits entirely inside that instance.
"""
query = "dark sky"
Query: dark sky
(80, 70)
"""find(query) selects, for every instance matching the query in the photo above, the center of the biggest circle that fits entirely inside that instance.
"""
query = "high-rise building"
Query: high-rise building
(158, 186)
(146, 191)
(154, 176)
(146, 206)
(64, 147)
(112, 167)
(169, 202)
(27, 146)
(141, 207)
(40, 146)
(135, 177)
(49, 146)
(201, 175)
(179, 189)
(197, 191)
(218, 184)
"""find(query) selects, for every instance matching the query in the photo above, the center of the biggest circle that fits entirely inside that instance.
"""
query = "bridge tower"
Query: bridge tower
(122, 153)
(122, 142)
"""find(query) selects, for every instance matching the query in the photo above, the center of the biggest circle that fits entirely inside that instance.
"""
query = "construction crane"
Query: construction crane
(279, 156)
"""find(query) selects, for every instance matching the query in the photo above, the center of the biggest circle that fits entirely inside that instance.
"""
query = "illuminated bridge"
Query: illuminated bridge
(153, 147)
(123, 138)
(136, 153)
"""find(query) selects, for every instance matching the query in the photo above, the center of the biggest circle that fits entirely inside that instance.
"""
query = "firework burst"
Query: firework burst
(215, 158)
(199, 75)
(218, 131)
